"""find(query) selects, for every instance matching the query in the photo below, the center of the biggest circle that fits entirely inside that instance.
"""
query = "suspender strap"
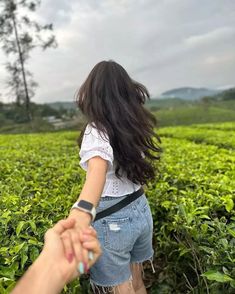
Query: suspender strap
(124, 202)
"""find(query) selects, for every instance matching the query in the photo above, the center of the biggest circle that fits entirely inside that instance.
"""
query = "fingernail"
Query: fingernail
(70, 257)
(81, 268)
(90, 255)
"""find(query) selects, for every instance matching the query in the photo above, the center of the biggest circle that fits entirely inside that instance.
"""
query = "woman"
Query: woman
(116, 150)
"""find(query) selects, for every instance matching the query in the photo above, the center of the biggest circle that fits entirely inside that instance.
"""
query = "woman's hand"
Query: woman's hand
(72, 239)
(54, 251)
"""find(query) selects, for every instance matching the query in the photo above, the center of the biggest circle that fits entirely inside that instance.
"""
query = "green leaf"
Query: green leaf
(204, 216)
(207, 249)
(184, 251)
(34, 254)
(166, 204)
(231, 232)
(217, 276)
(10, 287)
(7, 272)
(224, 242)
(229, 205)
(24, 259)
(232, 283)
(17, 248)
(20, 227)
(2, 290)
(33, 226)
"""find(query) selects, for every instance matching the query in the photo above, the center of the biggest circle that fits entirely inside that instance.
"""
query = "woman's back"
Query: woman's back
(114, 104)
(96, 143)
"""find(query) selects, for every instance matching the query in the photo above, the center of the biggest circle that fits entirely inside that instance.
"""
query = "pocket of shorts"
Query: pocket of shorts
(118, 235)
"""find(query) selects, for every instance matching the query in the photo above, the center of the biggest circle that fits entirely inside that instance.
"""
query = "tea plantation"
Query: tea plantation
(192, 201)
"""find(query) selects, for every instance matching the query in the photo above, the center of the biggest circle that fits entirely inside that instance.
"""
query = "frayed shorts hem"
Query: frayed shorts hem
(143, 259)
(150, 259)
(112, 284)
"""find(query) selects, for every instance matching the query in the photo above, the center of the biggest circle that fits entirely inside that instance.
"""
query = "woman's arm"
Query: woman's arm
(91, 191)
(94, 184)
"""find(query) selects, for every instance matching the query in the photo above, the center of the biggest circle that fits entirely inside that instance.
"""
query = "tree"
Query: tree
(19, 34)
(229, 94)
(206, 101)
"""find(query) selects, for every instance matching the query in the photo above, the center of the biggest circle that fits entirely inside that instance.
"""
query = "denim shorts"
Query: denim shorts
(125, 237)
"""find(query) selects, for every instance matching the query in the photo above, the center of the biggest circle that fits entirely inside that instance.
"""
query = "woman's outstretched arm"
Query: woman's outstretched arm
(91, 191)
(93, 186)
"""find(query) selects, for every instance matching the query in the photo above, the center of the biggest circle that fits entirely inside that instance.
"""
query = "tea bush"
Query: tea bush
(192, 201)
(221, 138)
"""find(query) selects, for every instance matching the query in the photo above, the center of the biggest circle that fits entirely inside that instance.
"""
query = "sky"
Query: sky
(163, 44)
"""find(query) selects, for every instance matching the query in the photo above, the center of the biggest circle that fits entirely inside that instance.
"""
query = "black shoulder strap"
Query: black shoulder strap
(124, 202)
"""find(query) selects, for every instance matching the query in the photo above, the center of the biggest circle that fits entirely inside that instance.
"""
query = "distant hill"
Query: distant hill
(172, 98)
(189, 93)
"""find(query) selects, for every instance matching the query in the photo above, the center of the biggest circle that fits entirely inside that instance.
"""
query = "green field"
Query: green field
(221, 135)
(194, 114)
(192, 201)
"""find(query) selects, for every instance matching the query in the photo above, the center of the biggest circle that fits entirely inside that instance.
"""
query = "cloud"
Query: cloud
(210, 38)
(163, 44)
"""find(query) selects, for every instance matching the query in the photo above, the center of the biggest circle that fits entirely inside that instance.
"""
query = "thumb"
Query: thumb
(63, 225)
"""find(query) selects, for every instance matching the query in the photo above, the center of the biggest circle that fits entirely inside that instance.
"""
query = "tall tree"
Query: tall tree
(19, 34)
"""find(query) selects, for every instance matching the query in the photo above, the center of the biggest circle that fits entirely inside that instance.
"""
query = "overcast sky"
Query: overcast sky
(163, 44)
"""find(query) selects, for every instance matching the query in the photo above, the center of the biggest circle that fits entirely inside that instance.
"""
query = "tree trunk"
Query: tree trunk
(27, 99)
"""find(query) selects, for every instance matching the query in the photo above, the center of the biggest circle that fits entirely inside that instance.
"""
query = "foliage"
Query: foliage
(227, 95)
(196, 114)
(192, 203)
(40, 178)
(19, 34)
(203, 135)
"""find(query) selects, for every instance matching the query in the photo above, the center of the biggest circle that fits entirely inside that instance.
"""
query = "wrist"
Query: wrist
(48, 274)
(81, 217)
(86, 206)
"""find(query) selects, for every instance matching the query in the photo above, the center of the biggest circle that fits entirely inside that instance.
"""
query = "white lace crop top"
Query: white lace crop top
(95, 144)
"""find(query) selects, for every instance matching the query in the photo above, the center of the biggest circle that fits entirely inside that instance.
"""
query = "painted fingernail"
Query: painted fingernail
(81, 267)
(90, 255)
(70, 257)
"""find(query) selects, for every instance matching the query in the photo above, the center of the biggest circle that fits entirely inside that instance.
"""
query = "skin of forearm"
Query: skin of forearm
(92, 188)
(94, 185)
(41, 277)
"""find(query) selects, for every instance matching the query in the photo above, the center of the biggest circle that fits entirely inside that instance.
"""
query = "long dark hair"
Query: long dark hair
(113, 103)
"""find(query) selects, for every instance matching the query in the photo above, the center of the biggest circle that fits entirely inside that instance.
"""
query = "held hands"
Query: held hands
(66, 261)
(51, 270)
(75, 240)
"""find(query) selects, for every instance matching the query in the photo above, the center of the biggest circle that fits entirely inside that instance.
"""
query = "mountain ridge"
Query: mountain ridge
(190, 93)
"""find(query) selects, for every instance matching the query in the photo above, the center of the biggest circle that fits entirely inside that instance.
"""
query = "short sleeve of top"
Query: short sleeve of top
(95, 143)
